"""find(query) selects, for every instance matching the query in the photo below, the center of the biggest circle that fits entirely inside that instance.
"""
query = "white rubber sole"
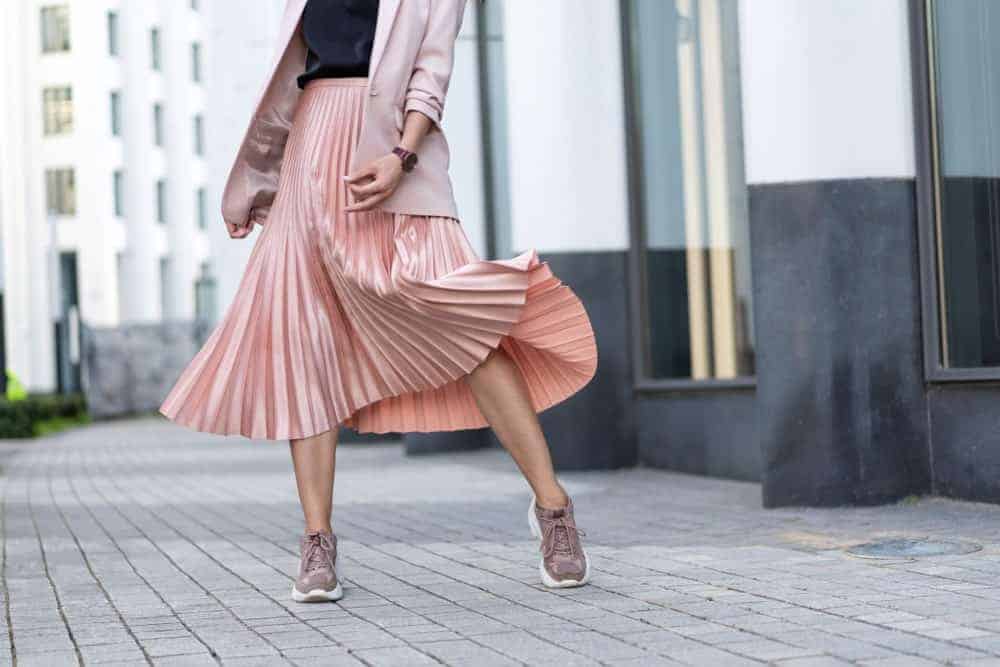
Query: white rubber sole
(318, 594)
(547, 579)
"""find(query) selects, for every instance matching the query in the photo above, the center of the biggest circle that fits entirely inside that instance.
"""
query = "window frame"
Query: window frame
(926, 152)
(118, 193)
(113, 26)
(642, 381)
(197, 69)
(44, 32)
(198, 132)
(115, 109)
(160, 198)
(201, 207)
(67, 191)
(155, 49)
(159, 131)
(56, 123)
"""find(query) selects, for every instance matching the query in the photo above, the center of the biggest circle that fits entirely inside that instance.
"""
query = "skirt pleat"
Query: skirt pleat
(371, 320)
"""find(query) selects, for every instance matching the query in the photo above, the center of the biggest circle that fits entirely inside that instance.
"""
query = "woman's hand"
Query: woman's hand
(372, 184)
(239, 231)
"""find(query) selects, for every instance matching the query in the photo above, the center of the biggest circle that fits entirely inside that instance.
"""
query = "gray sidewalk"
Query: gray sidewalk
(141, 543)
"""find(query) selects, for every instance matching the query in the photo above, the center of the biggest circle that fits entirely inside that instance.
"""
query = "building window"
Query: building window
(690, 229)
(118, 192)
(120, 284)
(165, 287)
(55, 29)
(161, 201)
(201, 211)
(196, 62)
(57, 104)
(60, 191)
(490, 46)
(158, 124)
(960, 185)
(205, 296)
(156, 55)
(113, 33)
(116, 113)
(199, 135)
(67, 325)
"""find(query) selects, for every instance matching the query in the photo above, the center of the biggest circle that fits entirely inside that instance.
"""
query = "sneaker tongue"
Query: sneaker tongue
(316, 557)
(561, 538)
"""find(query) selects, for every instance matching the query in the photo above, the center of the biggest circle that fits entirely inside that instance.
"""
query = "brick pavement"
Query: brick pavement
(138, 542)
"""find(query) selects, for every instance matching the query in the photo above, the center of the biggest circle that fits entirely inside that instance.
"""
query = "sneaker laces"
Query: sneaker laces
(319, 552)
(556, 536)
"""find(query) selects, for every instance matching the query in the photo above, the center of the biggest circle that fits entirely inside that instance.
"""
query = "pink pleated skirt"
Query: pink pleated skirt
(370, 320)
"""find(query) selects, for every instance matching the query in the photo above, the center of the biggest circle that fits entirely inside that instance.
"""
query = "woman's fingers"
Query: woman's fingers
(368, 203)
(368, 189)
(384, 174)
(360, 174)
(238, 231)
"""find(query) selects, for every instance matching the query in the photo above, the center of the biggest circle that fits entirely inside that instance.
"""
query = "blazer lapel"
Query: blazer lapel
(386, 17)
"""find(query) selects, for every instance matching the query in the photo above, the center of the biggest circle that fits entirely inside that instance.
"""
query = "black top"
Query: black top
(339, 36)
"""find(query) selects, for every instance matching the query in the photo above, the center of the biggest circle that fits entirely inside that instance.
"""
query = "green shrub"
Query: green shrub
(28, 417)
(15, 390)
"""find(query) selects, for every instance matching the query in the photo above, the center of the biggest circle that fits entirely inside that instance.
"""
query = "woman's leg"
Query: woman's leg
(314, 460)
(503, 399)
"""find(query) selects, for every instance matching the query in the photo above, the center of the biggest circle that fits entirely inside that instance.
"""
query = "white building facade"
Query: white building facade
(105, 197)
(781, 215)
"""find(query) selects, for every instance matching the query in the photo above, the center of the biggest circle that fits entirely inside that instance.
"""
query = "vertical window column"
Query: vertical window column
(161, 201)
(158, 124)
(196, 62)
(199, 134)
(113, 45)
(116, 113)
(962, 229)
(155, 50)
(691, 233)
(118, 192)
(201, 211)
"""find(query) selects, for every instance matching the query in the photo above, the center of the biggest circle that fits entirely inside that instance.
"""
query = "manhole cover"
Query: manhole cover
(911, 548)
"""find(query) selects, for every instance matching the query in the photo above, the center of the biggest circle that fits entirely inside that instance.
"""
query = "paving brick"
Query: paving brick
(152, 536)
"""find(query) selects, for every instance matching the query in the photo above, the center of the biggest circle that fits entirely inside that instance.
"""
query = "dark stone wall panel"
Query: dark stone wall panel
(841, 412)
(701, 432)
(965, 436)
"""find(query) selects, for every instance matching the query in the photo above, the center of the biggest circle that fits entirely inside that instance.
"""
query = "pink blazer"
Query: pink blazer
(410, 68)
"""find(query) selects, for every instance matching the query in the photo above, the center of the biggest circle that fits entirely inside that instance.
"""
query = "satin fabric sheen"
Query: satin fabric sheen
(371, 319)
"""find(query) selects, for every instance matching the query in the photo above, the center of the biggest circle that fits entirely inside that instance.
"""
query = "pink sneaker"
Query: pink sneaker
(317, 580)
(564, 563)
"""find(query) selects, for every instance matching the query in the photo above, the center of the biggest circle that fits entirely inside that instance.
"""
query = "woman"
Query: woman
(363, 304)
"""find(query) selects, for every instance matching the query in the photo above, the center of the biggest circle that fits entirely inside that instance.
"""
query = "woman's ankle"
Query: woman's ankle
(319, 528)
(553, 499)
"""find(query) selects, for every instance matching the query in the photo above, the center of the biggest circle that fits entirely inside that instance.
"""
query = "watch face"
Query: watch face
(410, 161)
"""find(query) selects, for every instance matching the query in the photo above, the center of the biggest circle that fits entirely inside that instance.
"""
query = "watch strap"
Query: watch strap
(408, 158)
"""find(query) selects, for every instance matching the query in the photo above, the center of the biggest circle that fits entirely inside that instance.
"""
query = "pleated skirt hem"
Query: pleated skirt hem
(371, 320)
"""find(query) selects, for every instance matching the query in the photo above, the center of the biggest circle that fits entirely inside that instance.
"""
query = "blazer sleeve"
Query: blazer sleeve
(435, 59)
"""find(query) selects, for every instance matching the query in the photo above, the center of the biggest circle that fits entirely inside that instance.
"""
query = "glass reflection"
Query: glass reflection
(684, 59)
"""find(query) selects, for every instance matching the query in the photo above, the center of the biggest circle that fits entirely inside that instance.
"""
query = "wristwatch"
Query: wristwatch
(408, 158)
